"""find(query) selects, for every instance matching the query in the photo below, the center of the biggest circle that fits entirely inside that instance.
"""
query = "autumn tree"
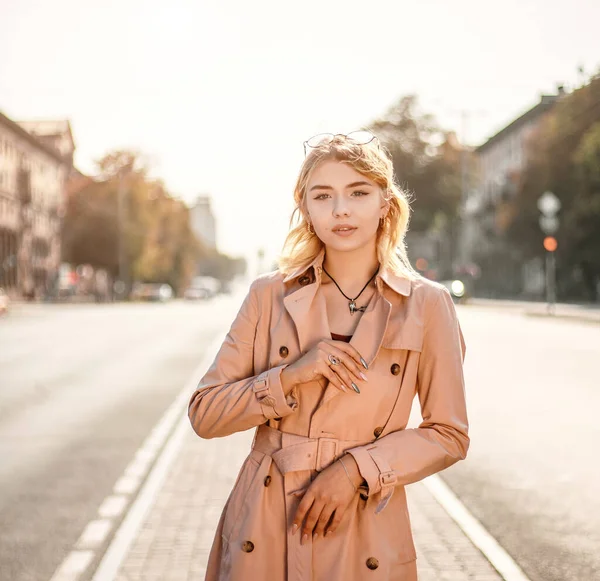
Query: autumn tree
(427, 164)
(158, 243)
(564, 157)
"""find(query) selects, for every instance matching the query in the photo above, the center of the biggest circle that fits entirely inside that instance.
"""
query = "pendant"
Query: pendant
(353, 308)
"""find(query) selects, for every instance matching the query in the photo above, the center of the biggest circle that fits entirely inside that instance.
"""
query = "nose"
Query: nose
(340, 207)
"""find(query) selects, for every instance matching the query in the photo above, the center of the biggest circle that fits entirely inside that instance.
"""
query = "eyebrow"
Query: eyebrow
(352, 185)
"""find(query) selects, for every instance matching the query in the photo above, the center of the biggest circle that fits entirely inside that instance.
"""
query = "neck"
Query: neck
(351, 270)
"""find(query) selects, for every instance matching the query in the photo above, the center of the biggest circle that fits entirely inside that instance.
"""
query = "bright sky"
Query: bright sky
(221, 94)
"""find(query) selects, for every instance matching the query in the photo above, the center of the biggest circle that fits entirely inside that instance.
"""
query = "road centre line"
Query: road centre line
(167, 436)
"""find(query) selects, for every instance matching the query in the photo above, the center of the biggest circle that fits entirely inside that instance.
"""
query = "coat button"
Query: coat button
(283, 351)
(395, 369)
(304, 280)
(247, 546)
(267, 480)
(377, 432)
(372, 563)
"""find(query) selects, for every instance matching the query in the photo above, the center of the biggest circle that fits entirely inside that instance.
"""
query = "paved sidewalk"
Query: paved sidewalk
(175, 538)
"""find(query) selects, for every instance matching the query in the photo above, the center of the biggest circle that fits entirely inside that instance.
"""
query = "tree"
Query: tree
(427, 164)
(159, 244)
(563, 157)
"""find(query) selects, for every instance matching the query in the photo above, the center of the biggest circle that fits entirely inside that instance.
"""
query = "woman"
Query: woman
(325, 356)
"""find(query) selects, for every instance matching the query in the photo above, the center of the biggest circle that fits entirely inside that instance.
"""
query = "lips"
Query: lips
(343, 227)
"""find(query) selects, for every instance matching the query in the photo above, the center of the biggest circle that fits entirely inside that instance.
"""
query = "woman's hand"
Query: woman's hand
(327, 499)
(316, 363)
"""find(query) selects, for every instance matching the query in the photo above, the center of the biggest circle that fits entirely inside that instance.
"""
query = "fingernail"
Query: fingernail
(304, 539)
(345, 388)
(355, 387)
(328, 533)
(315, 536)
(294, 529)
(364, 363)
(363, 376)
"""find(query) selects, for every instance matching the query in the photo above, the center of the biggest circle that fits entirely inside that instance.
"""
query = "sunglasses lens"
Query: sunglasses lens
(317, 140)
(361, 137)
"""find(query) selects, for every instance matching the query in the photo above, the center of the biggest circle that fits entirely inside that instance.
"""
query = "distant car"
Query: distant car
(202, 287)
(151, 291)
(458, 290)
(4, 302)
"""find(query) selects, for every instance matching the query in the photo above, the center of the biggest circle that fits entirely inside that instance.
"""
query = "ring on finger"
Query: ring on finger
(334, 360)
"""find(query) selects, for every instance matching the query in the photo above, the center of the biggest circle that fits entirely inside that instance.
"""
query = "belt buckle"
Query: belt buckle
(322, 461)
(387, 478)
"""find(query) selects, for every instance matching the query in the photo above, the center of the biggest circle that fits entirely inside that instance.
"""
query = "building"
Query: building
(203, 222)
(36, 159)
(500, 161)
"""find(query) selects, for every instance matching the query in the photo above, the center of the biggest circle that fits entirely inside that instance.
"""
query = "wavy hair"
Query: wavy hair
(372, 160)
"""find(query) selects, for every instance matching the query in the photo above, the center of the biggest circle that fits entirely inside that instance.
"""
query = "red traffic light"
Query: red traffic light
(550, 243)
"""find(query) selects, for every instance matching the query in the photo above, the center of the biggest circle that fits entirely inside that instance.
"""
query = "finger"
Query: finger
(333, 377)
(326, 513)
(345, 377)
(338, 513)
(342, 377)
(311, 519)
(345, 350)
(350, 358)
(301, 511)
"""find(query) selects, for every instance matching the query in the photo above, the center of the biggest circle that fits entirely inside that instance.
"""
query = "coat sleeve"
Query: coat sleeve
(406, 456)
(230, 397)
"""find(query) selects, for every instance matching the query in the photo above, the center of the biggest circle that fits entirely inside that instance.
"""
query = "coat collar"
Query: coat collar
(307, 309)
(396, 282)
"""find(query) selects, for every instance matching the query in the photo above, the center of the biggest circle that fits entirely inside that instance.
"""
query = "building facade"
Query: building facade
(500, 162)
(33, 173)
(203, 222)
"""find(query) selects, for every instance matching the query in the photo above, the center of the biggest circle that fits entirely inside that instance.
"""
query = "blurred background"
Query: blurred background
(148, 153)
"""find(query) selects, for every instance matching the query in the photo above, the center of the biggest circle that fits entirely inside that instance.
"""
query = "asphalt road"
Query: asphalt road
(532, 475)
(81, 386)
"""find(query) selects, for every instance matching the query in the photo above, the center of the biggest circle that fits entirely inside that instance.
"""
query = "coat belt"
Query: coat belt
(292, 453)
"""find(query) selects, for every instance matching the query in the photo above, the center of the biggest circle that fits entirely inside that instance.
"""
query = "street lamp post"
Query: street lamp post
(549, 205)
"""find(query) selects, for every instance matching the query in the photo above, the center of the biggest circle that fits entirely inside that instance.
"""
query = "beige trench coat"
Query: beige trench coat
(411, 339)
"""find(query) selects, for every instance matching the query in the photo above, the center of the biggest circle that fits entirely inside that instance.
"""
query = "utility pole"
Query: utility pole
(122, 284)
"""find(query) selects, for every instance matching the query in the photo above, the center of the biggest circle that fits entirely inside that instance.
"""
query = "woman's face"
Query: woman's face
(338, 195)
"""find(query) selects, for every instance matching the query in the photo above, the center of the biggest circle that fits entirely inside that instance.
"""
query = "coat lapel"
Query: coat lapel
(307, 310)
(306, 306)
(367, 337)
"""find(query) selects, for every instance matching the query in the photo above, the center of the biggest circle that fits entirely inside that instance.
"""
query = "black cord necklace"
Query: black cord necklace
(352, 304)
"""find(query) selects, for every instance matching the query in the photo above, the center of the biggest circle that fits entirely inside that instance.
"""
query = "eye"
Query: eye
(320, 196)
(361, 193)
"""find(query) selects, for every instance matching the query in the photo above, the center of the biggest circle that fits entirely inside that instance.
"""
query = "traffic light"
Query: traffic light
(550, 243)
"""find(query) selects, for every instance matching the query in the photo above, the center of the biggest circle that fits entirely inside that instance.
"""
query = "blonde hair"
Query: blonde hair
(372, 160)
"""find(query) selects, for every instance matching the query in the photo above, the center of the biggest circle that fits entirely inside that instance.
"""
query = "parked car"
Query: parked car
(4, 302)
(202, 287)
(151, 291)
(458, 290)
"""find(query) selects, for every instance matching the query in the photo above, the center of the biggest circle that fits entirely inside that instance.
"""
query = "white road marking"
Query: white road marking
(112, 506)
(94, 534)
(73, 566)
(474, 530)
(127, 532)
(126, 485)
(172, 423)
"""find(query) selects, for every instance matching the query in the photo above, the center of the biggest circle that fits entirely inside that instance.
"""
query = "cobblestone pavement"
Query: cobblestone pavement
(174, 541)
